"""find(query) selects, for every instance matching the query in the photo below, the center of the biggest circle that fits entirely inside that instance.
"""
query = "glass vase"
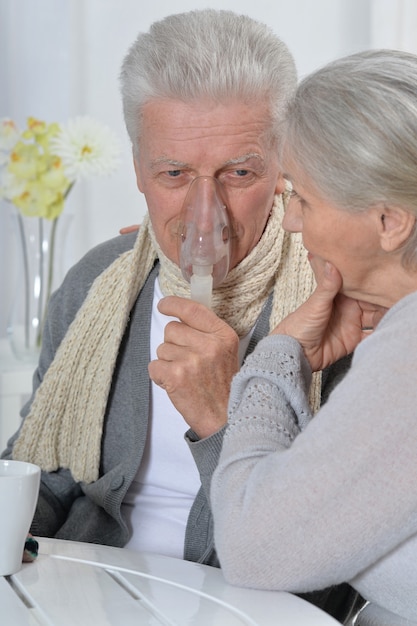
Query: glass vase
(40, 245)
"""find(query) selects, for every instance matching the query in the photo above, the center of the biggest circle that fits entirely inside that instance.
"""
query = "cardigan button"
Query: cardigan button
(117, 483)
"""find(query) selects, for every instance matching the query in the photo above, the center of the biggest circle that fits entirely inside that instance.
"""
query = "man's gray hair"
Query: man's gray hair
(207, 54)
(352, 129)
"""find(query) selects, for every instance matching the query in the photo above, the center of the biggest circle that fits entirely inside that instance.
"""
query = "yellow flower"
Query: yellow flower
(41, 133)
(34, 127)
(42, 162)
(24, 161)
(34, 179)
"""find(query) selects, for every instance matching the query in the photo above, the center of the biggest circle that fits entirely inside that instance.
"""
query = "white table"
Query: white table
(76, 584)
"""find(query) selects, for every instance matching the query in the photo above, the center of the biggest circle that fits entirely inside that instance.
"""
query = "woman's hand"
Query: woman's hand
(329, 325)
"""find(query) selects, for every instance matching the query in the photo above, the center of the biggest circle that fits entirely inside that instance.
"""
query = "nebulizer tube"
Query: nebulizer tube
(204, 238)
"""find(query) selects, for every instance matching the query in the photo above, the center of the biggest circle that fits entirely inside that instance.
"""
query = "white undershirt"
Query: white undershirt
(160, 497)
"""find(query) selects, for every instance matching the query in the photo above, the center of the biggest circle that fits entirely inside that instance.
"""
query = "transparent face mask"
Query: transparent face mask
(204, 248)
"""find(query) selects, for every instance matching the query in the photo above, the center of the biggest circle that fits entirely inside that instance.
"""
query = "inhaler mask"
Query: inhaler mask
(204, 248)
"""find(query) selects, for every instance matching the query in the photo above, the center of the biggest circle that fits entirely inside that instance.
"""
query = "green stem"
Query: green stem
(52, 261)
(25, 277)
(50, 278)
(69, 189)
(41, 280)
(51, 244)
(50, 275)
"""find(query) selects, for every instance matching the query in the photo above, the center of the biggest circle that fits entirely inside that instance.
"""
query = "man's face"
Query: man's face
(181, 141)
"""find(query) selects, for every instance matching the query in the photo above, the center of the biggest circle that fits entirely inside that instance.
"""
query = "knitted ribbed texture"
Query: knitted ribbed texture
(65, 424)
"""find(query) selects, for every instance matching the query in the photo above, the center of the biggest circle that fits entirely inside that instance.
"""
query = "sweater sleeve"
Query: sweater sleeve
(274, 381)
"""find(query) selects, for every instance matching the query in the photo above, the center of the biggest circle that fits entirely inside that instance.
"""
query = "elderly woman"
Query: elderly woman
(301, 504)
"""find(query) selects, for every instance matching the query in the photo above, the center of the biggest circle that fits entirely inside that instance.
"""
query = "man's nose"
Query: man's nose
(205, 204)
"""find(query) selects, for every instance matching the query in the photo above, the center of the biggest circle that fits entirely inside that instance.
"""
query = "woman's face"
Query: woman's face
(349, 240)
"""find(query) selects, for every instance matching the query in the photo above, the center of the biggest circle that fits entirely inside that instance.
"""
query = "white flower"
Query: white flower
(86, 148)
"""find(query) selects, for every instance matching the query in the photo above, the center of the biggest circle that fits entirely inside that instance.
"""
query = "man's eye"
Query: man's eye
(174, 173)
(240, 178)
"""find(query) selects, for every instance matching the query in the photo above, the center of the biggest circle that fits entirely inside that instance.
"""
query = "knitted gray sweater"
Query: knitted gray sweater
(301, 505)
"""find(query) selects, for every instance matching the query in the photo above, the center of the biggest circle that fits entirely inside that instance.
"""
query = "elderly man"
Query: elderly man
(203, 95)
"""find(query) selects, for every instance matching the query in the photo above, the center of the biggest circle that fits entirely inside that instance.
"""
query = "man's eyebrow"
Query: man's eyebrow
(243, 158)
(172, 162)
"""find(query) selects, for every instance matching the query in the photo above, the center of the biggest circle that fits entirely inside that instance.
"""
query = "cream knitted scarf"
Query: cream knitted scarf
(65, 424)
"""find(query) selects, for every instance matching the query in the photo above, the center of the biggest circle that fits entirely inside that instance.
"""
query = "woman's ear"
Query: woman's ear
(395, 227)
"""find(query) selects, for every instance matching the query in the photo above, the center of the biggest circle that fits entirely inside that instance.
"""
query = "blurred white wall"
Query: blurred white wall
(61, 58)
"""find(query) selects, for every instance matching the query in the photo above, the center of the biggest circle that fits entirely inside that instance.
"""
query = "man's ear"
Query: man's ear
(280, 184)
(395, 227)
(138, 175)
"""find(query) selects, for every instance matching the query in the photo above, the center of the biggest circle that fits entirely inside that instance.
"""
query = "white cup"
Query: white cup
(19, 490)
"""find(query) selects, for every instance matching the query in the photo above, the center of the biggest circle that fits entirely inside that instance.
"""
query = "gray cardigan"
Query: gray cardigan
(92, 512)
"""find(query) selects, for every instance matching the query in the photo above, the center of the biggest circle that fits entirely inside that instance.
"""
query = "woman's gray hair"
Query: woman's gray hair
(352, 129)
(218, 55)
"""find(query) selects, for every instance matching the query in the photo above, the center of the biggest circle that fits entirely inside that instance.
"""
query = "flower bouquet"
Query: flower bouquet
(38, 168)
